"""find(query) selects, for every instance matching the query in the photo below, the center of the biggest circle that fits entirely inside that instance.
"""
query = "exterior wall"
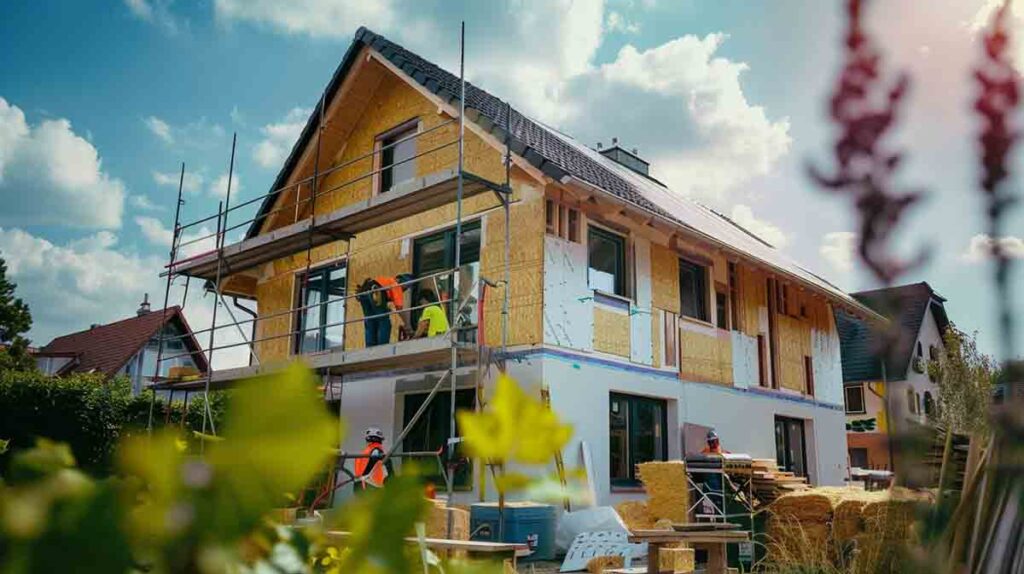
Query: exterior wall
(915, 382)
(870, 429)
(386, 250)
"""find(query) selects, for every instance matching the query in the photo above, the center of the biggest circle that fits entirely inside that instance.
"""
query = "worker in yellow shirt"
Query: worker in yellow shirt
(433, 321)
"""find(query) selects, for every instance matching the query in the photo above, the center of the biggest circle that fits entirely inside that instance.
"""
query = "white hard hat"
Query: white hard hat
(373, 434)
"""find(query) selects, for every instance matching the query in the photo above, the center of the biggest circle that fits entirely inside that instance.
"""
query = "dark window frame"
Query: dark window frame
(859, 387)
(701, 273)
(385, 149)
(322, 274)
(633, 402)
(809, 375)
(465, 399)
(783, 457)
(468, 256)
(860, 451)
(619, 241)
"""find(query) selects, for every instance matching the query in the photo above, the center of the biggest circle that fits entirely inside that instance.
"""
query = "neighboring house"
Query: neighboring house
(896, 391)
(127, 348)
(649, 317)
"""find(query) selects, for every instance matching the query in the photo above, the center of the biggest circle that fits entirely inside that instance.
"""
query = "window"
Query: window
(762, 361)
(606, 261)
(911, 402)
(397, 151)
(435, 253)
(562, 221)
(808, 375)
(790, 450)
(693, 291)
(929, 404)
(859, 458)
(854, 395)
(321, 323)
(637, 433)
(734, 296)
(721, 307)
(431, 432)
(920, 353)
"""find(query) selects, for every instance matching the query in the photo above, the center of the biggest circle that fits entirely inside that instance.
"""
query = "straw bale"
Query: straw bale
(667, 490)
(437, 521)
(635, 514)
(599, 564)
(676, 560)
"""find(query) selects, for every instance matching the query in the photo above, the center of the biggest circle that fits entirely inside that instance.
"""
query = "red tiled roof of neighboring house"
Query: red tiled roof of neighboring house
(106, 348)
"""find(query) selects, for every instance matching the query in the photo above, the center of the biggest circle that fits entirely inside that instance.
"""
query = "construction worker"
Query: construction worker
(380, 297)
(714, 446)
(433, 321)
(369, 470)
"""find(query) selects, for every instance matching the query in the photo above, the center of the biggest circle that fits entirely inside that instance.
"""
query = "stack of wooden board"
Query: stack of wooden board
(770, 483)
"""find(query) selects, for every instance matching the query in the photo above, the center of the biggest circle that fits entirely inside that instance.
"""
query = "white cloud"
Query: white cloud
(159, 128)
(51, 175)
(92, 280)
(743, 215)
(709, 139)
(192, 242)
(278, 138)
(838, 249)
(192, 183)
(154, 12)
(142, 202)
(219, 187)
(316, 18)
(616, 22)
(980, 248)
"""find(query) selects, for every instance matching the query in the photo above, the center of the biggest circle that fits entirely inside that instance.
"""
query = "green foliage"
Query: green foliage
(15, 321)
(88, 412)
(861, 425)
(965, 377)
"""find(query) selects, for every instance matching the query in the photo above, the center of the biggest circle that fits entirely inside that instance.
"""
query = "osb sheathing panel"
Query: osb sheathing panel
(611, 332)
(794, 345)
(705, 357)
(752, 297)
(379, 251)
(664, 278)
(657, 324)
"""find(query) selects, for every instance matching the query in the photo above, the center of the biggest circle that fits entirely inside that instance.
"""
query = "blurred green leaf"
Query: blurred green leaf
(36, 463)
(378, 520)
(514, 428)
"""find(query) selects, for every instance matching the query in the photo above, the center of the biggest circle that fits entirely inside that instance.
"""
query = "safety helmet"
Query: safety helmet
(712, 435)
(374, 434)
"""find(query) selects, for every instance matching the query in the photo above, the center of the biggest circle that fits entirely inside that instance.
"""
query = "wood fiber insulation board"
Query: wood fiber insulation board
(272, 296)
(668, 496)
(794, 345)
(526, 294)
(705, 356)
(664, 278)
(611, 331)
(657, 346)
(641, 316)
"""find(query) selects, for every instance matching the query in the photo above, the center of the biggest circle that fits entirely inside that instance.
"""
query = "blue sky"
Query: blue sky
(101, 102)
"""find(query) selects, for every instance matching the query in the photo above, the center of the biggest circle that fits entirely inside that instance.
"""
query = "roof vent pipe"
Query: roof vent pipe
(144, 306)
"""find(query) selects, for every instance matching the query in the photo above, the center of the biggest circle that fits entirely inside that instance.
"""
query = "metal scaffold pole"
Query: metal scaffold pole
(167, 294)
(222, 220)
(458, 261)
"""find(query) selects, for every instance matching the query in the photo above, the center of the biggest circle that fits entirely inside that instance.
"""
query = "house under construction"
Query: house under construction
(649, 318)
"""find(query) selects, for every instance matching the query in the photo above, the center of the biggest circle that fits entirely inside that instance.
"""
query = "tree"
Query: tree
(15, 320)
(965, 378)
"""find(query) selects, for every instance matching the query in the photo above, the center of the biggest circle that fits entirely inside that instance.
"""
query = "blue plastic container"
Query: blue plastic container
(525, 522)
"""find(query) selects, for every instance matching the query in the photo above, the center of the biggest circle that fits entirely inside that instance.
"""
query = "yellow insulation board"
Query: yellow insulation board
(611, 331)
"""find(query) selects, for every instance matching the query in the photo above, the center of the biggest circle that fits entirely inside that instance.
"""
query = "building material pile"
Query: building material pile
(437, 521)
(599, 564)
(676, 560)
(769, 483)
(837, 526)
(668, 492)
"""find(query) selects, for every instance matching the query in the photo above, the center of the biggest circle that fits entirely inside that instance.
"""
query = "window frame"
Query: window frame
(632, 402)
(463, 478)
(704, 273)
(448, 236)
(863, 399)
(298, 323)
(783, 458)
(408, 129)
(809, 375)
(621, 282)
(562, 221)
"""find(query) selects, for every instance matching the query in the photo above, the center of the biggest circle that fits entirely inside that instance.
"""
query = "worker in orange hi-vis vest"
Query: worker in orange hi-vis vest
(714, 446)
(369, 470)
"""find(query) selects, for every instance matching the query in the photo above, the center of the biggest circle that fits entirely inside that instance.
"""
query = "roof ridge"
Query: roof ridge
(172, 309)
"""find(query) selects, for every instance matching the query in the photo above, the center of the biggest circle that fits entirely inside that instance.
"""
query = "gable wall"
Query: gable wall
(386, 250)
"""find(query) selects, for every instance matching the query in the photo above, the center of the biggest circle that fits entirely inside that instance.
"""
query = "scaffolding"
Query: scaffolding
(219, 264)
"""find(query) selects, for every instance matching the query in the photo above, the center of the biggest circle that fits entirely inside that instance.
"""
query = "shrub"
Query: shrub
(90, 413)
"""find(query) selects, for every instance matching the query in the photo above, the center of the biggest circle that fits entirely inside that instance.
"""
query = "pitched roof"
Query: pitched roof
(106, 348)
(556, 155)
(862, 343)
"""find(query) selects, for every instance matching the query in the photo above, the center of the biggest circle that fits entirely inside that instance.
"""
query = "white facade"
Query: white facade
(908, 396)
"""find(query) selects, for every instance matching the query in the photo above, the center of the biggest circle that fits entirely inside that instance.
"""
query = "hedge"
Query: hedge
(91, 413)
